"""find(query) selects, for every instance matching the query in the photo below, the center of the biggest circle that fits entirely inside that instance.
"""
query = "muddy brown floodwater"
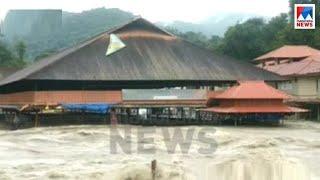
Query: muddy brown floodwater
(291, 152)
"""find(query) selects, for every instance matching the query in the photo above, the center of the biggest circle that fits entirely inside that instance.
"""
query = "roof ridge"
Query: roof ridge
(308, 50)
(136, 19)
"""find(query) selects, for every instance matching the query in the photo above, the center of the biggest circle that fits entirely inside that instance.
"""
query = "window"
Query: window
(287, 85)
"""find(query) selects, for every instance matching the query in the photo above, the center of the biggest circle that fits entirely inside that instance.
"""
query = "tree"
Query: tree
(245, 41)
(7, 58)
(197, 38)
(273, 29)
(20, 48)
(214, 43)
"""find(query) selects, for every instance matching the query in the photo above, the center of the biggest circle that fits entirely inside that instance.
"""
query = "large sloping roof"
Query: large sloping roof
(289, 51)
(308, 66)
(252, 90)
(150, 54)
(5, 71)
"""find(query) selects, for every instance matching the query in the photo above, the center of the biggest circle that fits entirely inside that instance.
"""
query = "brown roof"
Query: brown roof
(289, 51)
(150, 54)
(252, 90)
(308, 66)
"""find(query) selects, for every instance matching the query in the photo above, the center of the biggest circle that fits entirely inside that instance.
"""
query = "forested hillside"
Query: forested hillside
(215, 25)
(42, 38)
(256, 36)
(244, 40)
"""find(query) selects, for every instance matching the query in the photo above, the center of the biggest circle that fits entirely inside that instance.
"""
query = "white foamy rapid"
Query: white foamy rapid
(83, 152)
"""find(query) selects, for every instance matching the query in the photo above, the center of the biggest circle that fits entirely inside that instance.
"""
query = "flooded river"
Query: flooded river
(87, 152)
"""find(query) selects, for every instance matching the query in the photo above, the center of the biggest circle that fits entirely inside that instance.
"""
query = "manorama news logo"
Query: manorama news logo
(304, 16)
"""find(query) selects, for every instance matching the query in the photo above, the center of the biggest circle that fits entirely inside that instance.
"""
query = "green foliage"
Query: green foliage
(49, 36)
(20, 48)
(254, 37)
(197, 38)
(8, 59)
(215, 43)
(244, 41)
(215, 25)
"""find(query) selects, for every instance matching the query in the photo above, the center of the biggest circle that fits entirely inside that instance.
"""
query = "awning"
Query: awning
(89, 108)
(255, 109)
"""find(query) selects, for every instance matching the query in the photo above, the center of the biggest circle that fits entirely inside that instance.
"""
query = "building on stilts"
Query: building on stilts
(136, 71)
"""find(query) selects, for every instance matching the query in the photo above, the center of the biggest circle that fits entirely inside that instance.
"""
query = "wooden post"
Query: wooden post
(190, 114)
(318, 112)
(36, 122)
(105, 118)
(182, 115)
(153, 169)
(169, 114)
(137, 116)
(157, 115)
(113, 117)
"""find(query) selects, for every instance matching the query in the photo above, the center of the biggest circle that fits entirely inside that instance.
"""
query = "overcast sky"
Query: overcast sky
(158, 10)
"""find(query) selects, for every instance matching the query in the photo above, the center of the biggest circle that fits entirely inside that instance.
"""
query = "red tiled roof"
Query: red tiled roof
(252, 90)
(254, 109)
(289, 51)
(309, 65)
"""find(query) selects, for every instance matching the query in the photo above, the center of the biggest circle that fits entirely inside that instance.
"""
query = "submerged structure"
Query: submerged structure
(152, 58)
(110, 68)
(250, 100)
(300, 66)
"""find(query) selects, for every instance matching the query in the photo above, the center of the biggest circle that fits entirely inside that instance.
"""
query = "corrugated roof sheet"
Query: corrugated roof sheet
(4, 71)
(252, 90)
(150, 54)
(289, 51)
(163, 94)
